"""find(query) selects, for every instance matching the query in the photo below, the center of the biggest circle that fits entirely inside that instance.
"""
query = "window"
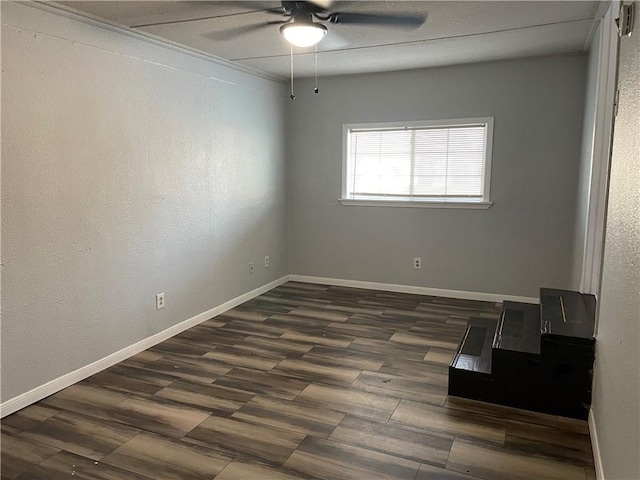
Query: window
(444, 163)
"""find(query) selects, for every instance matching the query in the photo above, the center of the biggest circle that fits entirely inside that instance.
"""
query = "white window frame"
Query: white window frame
(482, 204)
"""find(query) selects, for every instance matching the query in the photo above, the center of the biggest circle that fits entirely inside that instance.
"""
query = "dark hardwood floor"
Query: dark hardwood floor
(306, 381)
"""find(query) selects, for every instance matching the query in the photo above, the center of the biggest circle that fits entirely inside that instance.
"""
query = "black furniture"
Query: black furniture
(535, 357)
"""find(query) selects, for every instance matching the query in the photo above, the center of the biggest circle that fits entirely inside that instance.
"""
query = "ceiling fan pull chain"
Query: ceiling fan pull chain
(292, 96)
(316, 89)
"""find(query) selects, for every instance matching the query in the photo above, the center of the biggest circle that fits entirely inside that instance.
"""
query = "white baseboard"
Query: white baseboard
(49, 388)
(435, 292)
(595, 445)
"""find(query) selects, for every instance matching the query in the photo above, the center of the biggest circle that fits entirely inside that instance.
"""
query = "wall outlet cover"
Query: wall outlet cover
(159, 300)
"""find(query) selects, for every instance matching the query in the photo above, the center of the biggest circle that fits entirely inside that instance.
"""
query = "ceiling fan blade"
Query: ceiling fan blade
(402, 21)
(266, 7)
(269, 7)
(246, 8)
(231, 33)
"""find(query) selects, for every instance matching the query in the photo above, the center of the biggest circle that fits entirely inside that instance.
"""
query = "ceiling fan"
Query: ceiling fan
(304, 25)
(300, 29)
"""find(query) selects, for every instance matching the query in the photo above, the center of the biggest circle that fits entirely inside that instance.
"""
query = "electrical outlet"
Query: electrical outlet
(417, 263)
(159, 301)
(251, 268)
(266, 261)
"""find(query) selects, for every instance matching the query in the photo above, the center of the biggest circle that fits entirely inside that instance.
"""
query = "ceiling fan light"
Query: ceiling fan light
(303, 34)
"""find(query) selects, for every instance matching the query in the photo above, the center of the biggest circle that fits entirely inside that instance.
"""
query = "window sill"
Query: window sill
(414, 204)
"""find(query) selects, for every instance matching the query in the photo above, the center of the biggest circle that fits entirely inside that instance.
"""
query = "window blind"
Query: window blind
(423, 163)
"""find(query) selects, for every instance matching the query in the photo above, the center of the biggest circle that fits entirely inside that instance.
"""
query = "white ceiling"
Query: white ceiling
(455, 32)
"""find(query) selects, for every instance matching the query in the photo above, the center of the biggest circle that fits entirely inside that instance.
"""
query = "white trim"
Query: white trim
(445, 122)
(346, 148)
(415, 204)
(449, 122)
(603, 7)
(599, 184)
(595, 445)
(435, 292)
(14, 404)
(87, 18)
(49, 388)
(488, 156)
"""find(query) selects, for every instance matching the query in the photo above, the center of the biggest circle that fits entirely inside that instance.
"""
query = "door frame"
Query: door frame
(601, 160)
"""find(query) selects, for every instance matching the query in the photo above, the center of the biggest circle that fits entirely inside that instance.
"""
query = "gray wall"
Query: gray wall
(524, 241)
(586, 159)
(127, 169)
(616, 386)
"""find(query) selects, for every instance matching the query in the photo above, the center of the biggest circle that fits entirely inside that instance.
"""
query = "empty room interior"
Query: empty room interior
(320, 240)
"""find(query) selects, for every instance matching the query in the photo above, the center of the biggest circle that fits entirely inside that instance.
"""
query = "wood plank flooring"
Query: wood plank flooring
(303, 382)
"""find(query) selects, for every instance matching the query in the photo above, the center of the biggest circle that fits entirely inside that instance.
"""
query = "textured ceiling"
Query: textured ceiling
(455, 32)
